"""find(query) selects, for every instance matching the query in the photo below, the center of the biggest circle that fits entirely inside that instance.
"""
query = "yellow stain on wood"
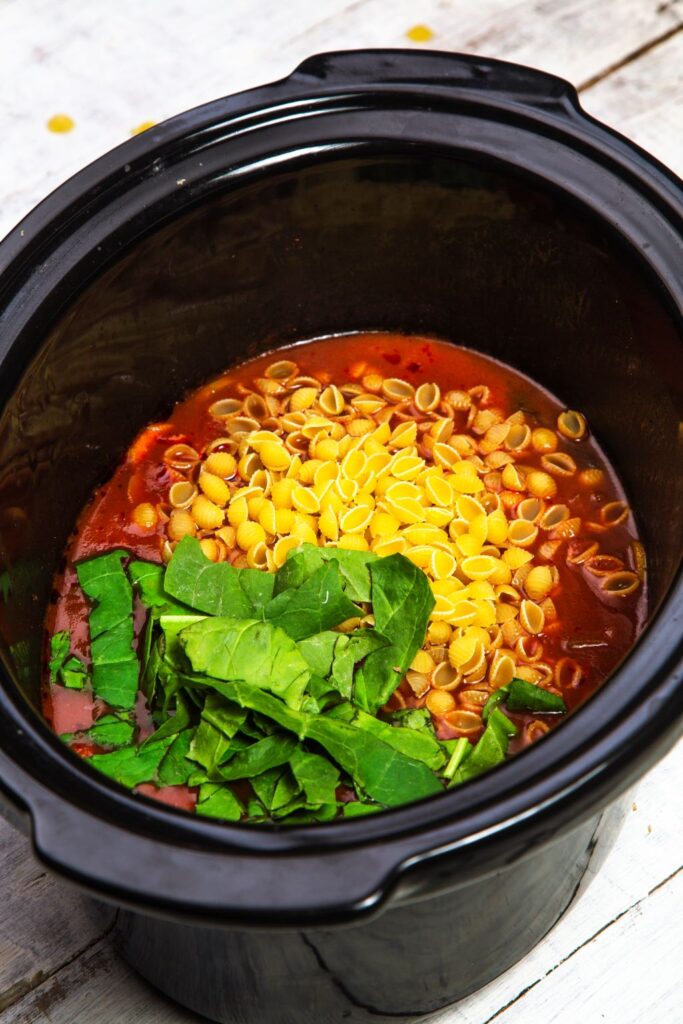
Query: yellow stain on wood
(420, 33)
(61, 123)
(142, 127)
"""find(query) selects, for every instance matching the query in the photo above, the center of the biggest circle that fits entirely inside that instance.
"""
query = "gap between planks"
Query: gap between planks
(629, 58)
(21, 989)
(634, 908)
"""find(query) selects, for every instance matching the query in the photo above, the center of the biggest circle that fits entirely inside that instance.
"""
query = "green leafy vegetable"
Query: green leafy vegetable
(173, 724)
(497, 697)
(132, 765)
(64, 667)
(73, 673)
(250, 679)
(318, 651)
(148, 577)
(460, 749)
(334, 656)
(351, 649)
(175, 767)
(258, 587)
(270, 752)
(354, 567)
(523, 696)
(224, 714)
(413, 718)
(316, 777)
(216, 801)
(264, 786)
(214, 588)
(114, 664)
(287, 796)
(107, 731)
(260, 653)
(402, 602)
(489, 751)
(112, 731)
(381, 771)
(60, 645)
(421, 745)
(318, 604)
(359, 808)
(211, 748)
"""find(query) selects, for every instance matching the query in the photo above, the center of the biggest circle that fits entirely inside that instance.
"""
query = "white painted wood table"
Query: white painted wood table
(616, 956)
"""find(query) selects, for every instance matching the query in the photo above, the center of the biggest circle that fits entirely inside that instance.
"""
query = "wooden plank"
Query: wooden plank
(644, 100)
(646, 853)
(152, 61)
(112, 67)
(574, 38)
(44, 924)
(628, 973)
(101, 989)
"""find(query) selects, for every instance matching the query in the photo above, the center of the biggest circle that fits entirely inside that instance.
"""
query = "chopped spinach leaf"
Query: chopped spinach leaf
(173, 725)
(333, 656)
(63, 667)
(132, 766)
(73, 673)
(218, 801)
(265, 784)
(523, 696)
(412, 718)
(359, 808)
(260, 653)
(316, 776)
(497, 697)
(270, 752)
(115, 666)
(214, 588)
(354, 567)
(381, 771)
(421, 745)
(490, 750)
(148, 577)
(318, 604)
(287, 791)
(112, 731)
(60, 645)
(402, 601)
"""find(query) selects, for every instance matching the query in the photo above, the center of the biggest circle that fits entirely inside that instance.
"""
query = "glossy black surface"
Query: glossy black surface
(419, 192)
(411, 960)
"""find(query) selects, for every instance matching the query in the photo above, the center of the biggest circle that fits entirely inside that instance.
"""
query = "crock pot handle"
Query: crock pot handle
(167, 875)
(435, 71)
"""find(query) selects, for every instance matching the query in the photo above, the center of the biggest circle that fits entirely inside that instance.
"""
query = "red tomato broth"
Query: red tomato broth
(598, 632)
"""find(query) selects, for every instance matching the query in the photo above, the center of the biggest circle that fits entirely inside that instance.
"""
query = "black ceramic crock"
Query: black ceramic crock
(423, 192)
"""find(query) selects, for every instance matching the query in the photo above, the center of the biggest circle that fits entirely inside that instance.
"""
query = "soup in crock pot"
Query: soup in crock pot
(341, 577)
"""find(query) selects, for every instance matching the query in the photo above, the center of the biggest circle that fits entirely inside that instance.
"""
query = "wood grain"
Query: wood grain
(644, 99)
(647, 851)
(44, 924)
(112, 67)
(97, 989)
(630, 971)
(571, 38)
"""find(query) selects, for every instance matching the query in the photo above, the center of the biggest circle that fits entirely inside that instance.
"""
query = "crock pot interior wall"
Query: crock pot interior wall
(414, 243)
